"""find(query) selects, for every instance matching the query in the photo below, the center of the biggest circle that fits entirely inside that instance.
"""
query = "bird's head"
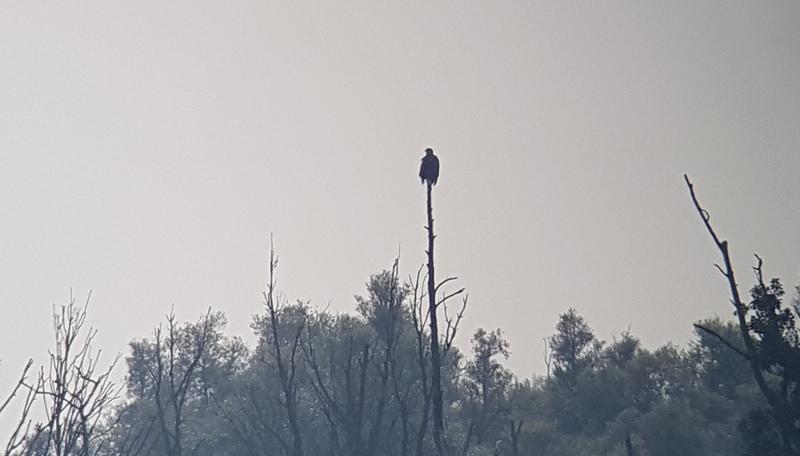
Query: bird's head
(428, 151)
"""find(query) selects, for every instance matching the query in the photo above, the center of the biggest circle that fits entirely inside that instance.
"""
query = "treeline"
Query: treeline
(317, 383)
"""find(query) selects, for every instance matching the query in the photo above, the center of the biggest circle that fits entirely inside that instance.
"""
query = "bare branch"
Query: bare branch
(23, 424)
(741, 310)
(19, 384)
(704, 215)
(452, 325)
(722, 245)
(719, 337)
(443, 282)
(451, 295)
(758, 270)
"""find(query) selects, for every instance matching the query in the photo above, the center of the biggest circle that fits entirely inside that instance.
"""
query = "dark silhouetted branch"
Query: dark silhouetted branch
(740, 308)
(719, 337)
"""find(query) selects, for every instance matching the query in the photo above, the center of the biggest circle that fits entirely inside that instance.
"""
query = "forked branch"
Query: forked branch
(452, 323)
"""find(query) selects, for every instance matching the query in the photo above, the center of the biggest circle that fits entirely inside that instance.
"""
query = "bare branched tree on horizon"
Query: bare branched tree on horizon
(76, 394)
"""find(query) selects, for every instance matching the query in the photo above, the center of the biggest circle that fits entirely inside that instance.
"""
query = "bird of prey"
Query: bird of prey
(429, 169)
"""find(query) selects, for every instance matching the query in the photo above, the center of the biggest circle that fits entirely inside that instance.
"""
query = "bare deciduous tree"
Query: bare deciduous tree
(76, 393)
(177, 356)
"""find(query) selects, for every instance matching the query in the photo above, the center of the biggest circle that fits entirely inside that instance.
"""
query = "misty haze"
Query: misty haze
(399, 228)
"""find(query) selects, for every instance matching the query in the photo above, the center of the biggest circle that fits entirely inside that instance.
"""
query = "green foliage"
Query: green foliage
(772, 327)
(574, 346)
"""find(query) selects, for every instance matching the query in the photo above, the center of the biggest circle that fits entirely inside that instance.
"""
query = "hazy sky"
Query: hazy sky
(147, 150)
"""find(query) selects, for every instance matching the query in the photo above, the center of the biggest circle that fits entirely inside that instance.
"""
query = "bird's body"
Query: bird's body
(429, 168)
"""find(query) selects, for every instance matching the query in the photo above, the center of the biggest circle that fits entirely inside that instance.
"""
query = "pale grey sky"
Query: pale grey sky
(147, 150)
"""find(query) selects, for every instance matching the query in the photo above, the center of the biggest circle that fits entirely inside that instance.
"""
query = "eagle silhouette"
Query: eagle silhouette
(429, 169)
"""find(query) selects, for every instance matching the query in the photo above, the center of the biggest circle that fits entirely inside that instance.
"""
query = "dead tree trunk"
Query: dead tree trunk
(436, 362)
(778, 402)
(419, 319)
(439, 347)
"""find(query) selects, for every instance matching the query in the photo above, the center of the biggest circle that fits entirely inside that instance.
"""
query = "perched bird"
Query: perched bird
(429, 169)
